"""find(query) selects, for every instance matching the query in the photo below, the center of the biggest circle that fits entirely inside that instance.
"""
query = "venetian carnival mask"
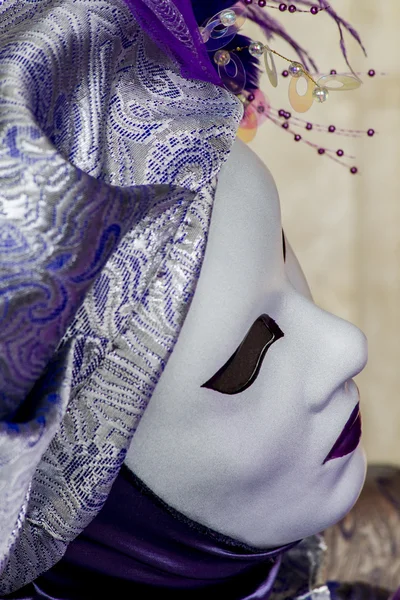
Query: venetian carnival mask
(253, 427)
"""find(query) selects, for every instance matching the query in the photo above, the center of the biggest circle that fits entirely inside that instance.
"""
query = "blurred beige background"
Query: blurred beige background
(345, 229)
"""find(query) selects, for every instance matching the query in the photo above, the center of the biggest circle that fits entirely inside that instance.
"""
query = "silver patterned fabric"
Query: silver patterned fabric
(108, 167)
(108, 164)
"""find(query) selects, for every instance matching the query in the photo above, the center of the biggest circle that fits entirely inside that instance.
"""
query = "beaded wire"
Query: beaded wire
(282, 7)
(255, 115)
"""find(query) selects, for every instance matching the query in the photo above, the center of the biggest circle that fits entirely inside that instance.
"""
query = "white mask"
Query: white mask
(251, 464)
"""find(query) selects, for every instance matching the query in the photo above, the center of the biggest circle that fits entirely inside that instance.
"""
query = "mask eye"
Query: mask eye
(242, 369)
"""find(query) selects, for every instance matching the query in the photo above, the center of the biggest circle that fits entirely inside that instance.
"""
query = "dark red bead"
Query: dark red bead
(371, 72)
(353, 170)
(331, 129)
(285, 125)
(292, 8)
(340, 152)
(285, 73)
(250, 97)
(297, 137)
(309, 126)
(321, 150)
(282, 7)
(314, 10)
(371, 132)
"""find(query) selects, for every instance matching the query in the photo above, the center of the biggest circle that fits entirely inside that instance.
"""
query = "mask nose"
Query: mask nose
(349, 348)
(334, 352)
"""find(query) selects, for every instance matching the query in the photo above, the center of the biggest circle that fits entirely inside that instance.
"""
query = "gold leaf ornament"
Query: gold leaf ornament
(301, 103)
(270, 67)
(347, 82)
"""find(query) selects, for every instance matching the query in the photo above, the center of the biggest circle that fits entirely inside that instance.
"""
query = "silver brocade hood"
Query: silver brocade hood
(108, 165)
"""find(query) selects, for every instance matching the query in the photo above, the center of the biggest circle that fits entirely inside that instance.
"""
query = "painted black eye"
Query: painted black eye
(242, 369)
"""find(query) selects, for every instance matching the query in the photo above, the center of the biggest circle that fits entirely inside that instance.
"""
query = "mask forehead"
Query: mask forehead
(243, 265)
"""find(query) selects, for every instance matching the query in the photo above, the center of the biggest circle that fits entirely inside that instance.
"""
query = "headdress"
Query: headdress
(218, 53)
(174, 26)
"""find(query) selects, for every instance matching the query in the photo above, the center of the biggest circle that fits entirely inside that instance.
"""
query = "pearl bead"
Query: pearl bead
(256, 49)
(333, 72)
(371, 73)
(321, 151)
(262, 3)
(340, 152)
(281, 112)
(353, 170)
(282, 7)
(285, 125)
(297, 137)
(227, 17)
(331, 129)
(222, 58)
(309, 126)
(292, 8)
(371, 132)
(251, 97)
(285, 73)
(296, 69)
(320, 94)
(314, 10)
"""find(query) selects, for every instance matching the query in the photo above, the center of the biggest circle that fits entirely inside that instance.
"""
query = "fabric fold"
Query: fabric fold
(108, 156)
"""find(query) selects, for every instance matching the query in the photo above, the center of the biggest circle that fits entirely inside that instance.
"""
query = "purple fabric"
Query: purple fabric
(173, 27)
(138, 545)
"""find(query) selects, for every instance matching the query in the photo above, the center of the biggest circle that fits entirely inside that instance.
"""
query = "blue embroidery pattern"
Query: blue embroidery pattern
(108, 164)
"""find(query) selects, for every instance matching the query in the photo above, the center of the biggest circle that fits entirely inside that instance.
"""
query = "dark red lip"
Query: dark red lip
(349, 439)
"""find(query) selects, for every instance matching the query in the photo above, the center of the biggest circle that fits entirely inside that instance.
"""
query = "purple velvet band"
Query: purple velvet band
(173, 27)
(139, 547)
